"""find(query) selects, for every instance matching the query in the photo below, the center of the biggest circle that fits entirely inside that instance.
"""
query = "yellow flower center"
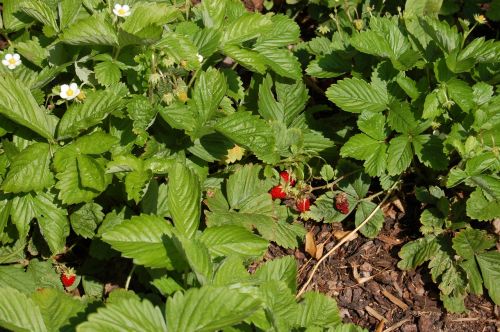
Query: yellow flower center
(122, 11)
(12, 61)
(70, 92)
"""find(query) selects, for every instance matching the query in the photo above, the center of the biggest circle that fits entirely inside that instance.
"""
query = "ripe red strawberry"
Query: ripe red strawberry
(68, 278)
(287, 177)
(341, 203)
(303, 204)
(277, 192)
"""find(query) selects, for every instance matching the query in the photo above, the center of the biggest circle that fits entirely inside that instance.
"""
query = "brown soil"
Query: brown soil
(363, 277)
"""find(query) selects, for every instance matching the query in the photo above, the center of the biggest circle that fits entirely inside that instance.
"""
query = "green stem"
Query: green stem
(129, 277)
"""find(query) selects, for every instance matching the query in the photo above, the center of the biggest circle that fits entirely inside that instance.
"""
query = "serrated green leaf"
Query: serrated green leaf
(489, 262)
(473, 275)
(13, 18)
(246, 27)
(180, 48)
(279, 269)
(222, 307)
(399, 154)
(19, 313)
(96, 107)
(279, 304)
(245, 184)
(229, 240)
(107, 73)
(91, 173)
(281, 61)
(85, 220)
(197, 256)
(284, 31)
(208, 92)
(15, 277)
(470, 242)
(430, 151)
(142, 238)
(146, 14)
(372, 227)
(416, 252)
(184, 198)
(250, 132)
(40, 11)
(423, 7)
(252, 60)
(29, 170)
(401, 117)
(129, 314)
(70, 189)
(356, 95)
(18, 104)
(68, 12)
(57, 307)
(480, 208)
(92, 30)
(52, 220)
(318, 310)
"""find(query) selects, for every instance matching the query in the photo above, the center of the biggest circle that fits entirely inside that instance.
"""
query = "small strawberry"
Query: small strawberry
(277, 192)
(68, 277)
(287, 178)
(303, 204)
(341, 203)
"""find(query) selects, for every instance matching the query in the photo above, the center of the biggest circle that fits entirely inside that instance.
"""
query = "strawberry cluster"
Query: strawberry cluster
(279, 192)
(341, 203)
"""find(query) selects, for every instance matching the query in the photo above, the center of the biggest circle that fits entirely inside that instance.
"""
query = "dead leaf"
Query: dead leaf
(319, 250)
(310, 245)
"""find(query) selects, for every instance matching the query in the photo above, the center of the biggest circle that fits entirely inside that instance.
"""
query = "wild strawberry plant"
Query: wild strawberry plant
(160, 147)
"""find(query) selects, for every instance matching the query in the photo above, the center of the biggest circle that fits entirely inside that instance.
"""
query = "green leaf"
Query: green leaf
(19, 313)
(179, 48)
(13, 18)
(284, 31)
(470, 242)
(417, 252)
(245, 184)
(18, 104)
(15, 277)
(130, 313)
(401, 117)
(184, 199)
(91, 173)
(432, 106)
(85, 220)
(372, 227)
(222, 307)
(246, 27)
(461, 93)
(40, 11)
(142, 238)
(146, 14)
(96, 107)
(279, 305)
(446, 37)
(281, 61)
(92, 30)
(44, 274)
(318, 310)
(252, 60)
(250, 132)
(423, 7)
(280, 269)
(269, 108)
(208, 92)
(399, 155)
(197, 256)
(229, 240)
(473, 275)
(356, 95)
(52, 220)
(68, 12)
(489, 262)
(430, 151)
(57, 307)
(107, 73)
(29, 170)
(480, 208)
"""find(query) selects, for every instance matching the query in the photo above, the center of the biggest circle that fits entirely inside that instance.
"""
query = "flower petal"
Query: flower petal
(126, 8)
(8, 56)
(63, 95)
(16, 56)
(118, 6)
(11, 66)
(73, 86)
(64, 88)
(5, 62)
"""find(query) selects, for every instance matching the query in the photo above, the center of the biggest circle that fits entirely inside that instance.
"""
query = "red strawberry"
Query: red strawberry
(287, 177)
(341, 203)
(277, 192)
(303, 204)
(68, 278)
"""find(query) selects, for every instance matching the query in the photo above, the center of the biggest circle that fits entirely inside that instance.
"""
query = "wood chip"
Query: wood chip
(389, 240)
(380, 326)
(319, 250)
(310, 245)
(397, 325)
(395, 300)
(374, 313)
(341, 234)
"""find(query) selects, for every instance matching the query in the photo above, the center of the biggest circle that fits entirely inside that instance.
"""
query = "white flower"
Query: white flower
(200, 57)
(69, 92)
(11, 61)
(121, 10)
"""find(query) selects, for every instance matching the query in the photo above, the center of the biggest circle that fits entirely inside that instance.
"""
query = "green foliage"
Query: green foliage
(159, 169)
